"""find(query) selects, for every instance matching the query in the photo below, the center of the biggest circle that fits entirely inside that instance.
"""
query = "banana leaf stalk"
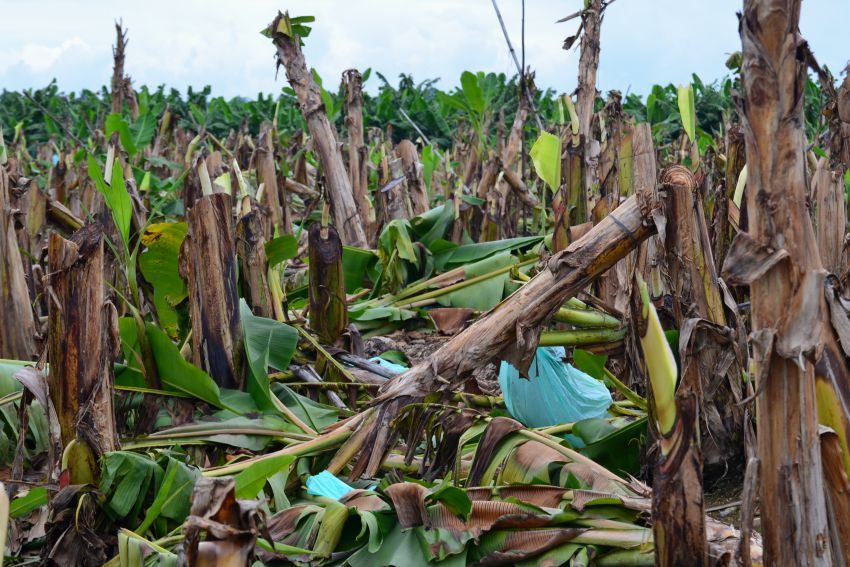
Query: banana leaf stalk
(408, 300)
(4, 156)
(578, 313)
(581, 337)
(132, 548)
(613, 382)
(588, 318)
(325, 442)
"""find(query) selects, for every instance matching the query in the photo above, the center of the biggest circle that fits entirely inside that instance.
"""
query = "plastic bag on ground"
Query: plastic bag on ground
(556, 392)
(326, 484)
(392, 366)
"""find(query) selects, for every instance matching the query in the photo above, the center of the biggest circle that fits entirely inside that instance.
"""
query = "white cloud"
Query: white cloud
(197, 42)
(42, 57)
(39, 58)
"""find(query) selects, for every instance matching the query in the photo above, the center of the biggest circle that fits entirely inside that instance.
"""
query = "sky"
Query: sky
(180, 43)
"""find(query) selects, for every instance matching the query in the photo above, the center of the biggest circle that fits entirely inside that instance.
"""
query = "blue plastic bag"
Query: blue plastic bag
(392, 366)
(326, 484)
(556, 392)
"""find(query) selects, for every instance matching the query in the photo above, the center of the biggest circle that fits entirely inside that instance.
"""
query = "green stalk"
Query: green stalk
(627, 557)
(322, 443)
(154, 545)
(622, 410)
(207, 431)
(333, 386)
(352, 446)
(220, 145)
(204, 176)
(571, 303)
(478, 400)
(627, 392)
(240, 179)
(190, 149)
(278, 294)
(319, 349)
(157, 443)
(290, 415)
(625, 539)
(464, 283)
(154, 391)
(282, 549)
(416, 288)
(557, 429)
(586, 318)
(10, 398)
(3, 155)
(581, 337)
(661, 365)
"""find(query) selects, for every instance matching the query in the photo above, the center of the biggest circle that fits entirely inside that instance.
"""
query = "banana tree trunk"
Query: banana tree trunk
(779, 259)
(253, 263)
(586, 97)
(710, 352)
(345, 215)
(735, 159)
(831, 215)
(268, 177)
(328, 308)
(208, 264)
(484, 217)
(118, 79)
(413, 170)
(570, 201)
(358, 153)
(509, 209)
(678, 520)
(395, 194)
(82, 341)
(17, 325)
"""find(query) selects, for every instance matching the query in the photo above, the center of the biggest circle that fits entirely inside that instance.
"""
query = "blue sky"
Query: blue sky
(193, 42)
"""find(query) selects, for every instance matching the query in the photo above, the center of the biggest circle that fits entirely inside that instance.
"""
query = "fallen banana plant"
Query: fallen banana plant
(511, 329)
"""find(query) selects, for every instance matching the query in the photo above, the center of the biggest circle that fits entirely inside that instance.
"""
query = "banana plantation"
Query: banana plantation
(369, 324)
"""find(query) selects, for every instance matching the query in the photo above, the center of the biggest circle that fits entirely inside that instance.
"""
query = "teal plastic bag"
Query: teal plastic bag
(392, 366)
(326, 484)
(556, 392)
